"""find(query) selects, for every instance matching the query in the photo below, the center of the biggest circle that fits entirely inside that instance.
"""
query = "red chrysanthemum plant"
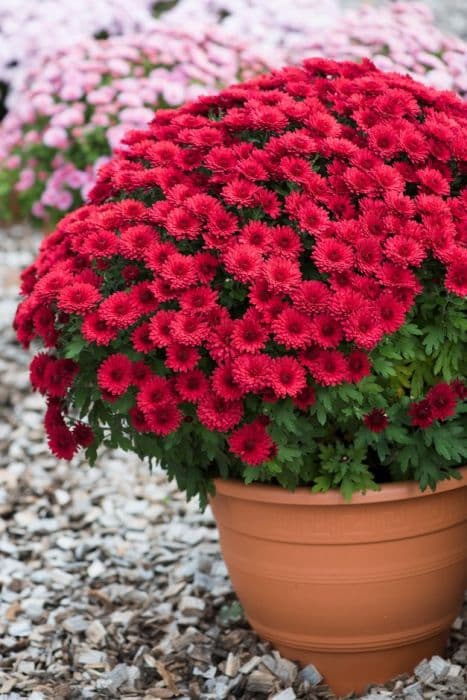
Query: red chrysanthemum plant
(269, 285)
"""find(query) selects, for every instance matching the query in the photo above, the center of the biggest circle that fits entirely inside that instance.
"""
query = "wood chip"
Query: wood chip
(167, 677)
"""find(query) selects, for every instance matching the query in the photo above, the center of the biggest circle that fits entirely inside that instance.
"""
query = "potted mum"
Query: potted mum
(266, 295)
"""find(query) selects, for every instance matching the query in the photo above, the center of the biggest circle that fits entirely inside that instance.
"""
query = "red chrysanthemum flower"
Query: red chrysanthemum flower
(328, 368)
(164, 418)
(181, 358)
(326, 331)
(115, 374)
(288, 377)
(286, 242)
(312, 219)
(144, 298)
(273, 309)
(179, 271)
(258, 235)
(77, 298)
(252, 444)
(358, 366)
(311, 297)
(135, 240)
(37, 371)
(305, 398)
(158, 253)
(413, 143)
(160, 328)
(219, 342)
(206, 265)
(119, 310)
(51, 284)
(404, 251)
(188, 329)
(221, 224)
(141, 373)
(192, 385)
(292, 329)
(96, 330)
(198, 300)
(443, 401)
(252, 372)
(421, 414)
(281, 274)
(332, 256)
(243, 261)
(153, 392)
(260, 294)
(249, 334)
(59, 376)
(138, 419)
(295, 169)
(44, 325)
(433, 181)
(62, 442)
(363, 326)
(456, 278)
(100, 244)
(141, 338)
(53, 416)
(460, 389)
(368, 254)
(376, 420)
(345, 302)
(224, 383)
(391, 312)
(181, 223)
(83, 435)
(216, 413)
(396, 276)
(384, 140)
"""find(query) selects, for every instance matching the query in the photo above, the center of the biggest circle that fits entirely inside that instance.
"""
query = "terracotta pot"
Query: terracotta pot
(363, 590)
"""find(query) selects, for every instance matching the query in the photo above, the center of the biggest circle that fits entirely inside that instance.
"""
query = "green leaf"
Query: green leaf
(347, 489)
(230, 614)
(284, 416)
(250, 474)
(321, 415)
(450, 442)
(383, 367)
(434, 338)
(287, 453)
(124, 403)
(397, 434)
(74, 348)
(322, 484)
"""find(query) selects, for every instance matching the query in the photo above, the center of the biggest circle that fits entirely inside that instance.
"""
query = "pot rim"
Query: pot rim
(397, 491)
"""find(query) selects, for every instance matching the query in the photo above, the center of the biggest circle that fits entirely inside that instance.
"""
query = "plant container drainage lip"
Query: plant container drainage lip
(362, 589)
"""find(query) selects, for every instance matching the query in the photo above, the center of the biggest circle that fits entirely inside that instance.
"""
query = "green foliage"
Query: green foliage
(326, 447)
(230, 614)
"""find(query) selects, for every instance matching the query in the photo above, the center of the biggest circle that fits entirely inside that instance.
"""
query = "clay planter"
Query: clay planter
(363, 590)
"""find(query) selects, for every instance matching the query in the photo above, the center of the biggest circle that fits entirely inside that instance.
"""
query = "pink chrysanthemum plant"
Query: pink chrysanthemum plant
(73, 107)
(270, 285)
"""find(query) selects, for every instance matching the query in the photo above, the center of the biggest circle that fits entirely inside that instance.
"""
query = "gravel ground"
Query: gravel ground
(111, 586)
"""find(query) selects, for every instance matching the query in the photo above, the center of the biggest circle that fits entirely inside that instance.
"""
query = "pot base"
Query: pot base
(359, 670)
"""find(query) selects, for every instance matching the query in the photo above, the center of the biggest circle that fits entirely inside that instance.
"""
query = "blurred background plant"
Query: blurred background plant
(75, 106)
